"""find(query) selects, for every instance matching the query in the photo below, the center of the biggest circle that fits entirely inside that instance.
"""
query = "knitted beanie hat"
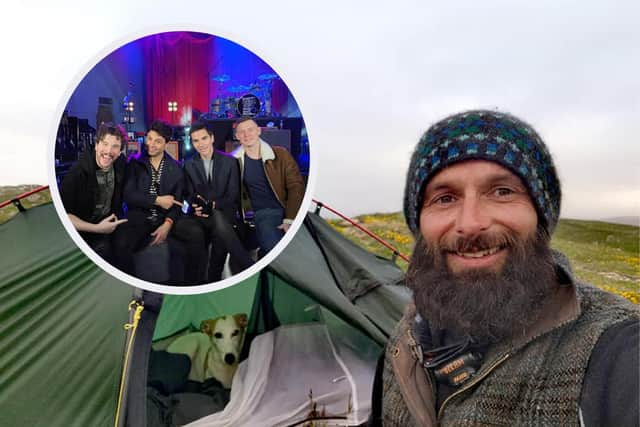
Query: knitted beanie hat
(484, 135)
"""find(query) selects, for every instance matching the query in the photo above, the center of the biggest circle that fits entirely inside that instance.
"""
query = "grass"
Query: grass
(9, 192)
(604, 254)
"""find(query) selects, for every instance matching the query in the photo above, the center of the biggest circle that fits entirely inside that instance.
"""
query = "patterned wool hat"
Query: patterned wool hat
(484, 135)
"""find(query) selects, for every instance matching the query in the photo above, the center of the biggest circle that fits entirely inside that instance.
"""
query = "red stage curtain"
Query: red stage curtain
(176, 69)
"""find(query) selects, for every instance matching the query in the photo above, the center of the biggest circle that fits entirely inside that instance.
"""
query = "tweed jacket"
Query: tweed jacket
(534, 380)
(283, 175)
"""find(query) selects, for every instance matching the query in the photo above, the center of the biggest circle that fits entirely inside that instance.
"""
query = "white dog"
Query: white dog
(214, 351)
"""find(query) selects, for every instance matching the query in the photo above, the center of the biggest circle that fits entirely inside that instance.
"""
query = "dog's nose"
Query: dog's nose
(229, 358)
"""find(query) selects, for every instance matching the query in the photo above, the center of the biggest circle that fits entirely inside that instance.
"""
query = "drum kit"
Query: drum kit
(244, 100)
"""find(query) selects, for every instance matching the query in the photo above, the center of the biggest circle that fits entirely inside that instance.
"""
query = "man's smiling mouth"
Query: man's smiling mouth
(480, 253)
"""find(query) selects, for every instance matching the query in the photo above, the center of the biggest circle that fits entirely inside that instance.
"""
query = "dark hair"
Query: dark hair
(111, 128)
(162, 128)
(199, 125)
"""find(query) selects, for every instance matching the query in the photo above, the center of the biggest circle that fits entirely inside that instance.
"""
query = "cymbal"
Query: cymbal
(208, 116)
(221, 78)
(239, 88)
(268, 76)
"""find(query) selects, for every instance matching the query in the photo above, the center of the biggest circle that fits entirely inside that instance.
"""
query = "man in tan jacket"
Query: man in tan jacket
(272, 184)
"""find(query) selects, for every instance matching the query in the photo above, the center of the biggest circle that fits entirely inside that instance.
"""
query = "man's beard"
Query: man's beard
(484, 304)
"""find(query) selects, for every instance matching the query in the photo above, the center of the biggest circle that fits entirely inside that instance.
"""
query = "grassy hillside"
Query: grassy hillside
(604, 254)
(9, 192)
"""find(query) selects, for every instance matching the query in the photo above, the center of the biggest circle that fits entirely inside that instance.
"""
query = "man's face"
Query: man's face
(248, 133)
(107, 151)
(203, 142)
(481, 266)
(155, 144)
(470, 208)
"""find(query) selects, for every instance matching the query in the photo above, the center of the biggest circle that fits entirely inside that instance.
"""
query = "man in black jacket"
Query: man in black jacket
(154, 182)
(212, 190)
(92, 190)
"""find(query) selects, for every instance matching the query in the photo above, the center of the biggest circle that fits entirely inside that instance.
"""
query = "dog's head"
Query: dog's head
(227, 335)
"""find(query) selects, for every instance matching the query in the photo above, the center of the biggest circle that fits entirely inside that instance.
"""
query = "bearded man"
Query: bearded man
(499, 331)
(92, 190)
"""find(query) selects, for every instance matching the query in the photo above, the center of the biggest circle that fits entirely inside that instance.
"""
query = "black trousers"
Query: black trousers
(130, 237)
(101, 244)
(196, 232)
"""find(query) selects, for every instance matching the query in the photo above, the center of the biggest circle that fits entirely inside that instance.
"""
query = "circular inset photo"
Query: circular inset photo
(181, 159)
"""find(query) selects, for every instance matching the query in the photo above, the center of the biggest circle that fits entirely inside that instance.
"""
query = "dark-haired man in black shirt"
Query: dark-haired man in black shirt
(154, 182)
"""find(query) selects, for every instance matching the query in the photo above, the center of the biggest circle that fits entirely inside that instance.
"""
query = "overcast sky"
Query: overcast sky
(369, 80)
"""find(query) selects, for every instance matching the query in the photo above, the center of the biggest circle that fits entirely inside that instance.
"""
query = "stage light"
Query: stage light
(129, 108)
(187, 138)
(172, 106)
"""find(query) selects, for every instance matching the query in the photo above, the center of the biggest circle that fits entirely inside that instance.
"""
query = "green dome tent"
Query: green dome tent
(65, 348)
(61, 328)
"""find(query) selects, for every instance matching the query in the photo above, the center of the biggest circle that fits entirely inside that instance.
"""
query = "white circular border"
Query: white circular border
(79, 241)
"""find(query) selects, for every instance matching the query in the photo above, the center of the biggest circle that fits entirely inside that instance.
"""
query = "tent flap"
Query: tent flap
(61, 332)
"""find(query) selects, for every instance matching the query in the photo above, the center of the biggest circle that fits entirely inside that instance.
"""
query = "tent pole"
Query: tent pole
(396, 253)
(135, 312)
(16, 200)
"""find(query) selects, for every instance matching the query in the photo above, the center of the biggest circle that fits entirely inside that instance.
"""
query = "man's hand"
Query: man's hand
(284, 227)
(106, 226)
(160, 235)
(109, 224)
(165, 202)
(197, 210)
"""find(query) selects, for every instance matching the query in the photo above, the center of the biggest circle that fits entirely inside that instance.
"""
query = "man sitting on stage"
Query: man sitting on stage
(212, 188)
(154, 182)
(92, 190)
(273, 182)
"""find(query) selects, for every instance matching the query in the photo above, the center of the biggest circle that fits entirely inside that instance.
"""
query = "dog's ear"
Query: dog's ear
(241, 320)
(207, 326)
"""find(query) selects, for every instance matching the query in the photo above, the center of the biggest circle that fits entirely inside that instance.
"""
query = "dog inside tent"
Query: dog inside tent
(77, 345)
(318, 317)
